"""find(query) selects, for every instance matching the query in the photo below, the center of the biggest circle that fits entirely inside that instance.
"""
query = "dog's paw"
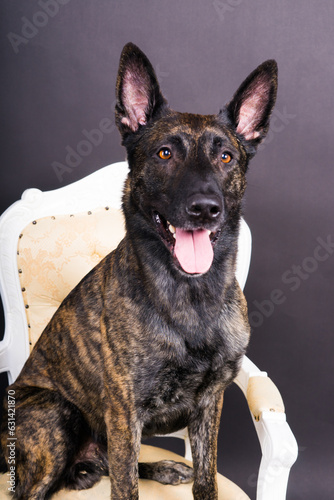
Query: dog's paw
(166, 472)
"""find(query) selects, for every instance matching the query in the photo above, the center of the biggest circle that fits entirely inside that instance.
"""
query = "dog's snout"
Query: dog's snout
(204, 207)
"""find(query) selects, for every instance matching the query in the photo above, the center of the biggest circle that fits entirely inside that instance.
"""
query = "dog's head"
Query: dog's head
(187, 171)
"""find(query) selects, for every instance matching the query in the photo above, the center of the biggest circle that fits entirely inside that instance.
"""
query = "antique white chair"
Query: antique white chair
(48, 242)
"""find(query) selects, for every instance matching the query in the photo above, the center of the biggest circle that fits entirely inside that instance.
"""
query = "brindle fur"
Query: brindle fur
(140, 347)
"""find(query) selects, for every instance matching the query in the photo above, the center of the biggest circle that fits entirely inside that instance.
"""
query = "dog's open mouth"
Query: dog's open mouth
(193, 249)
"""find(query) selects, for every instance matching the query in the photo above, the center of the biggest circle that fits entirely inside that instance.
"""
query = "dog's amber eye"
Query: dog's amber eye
(165, 153)
(226, 157)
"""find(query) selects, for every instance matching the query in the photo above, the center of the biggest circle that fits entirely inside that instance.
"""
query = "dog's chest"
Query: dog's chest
(182, 349)
(169, 392)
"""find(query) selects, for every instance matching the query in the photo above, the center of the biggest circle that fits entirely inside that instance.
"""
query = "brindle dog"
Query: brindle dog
(148, 341)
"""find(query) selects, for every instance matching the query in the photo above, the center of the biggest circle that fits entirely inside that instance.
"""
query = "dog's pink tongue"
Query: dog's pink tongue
(193, 250)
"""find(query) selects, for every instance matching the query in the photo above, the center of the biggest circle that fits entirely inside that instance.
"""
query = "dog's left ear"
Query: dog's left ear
(250, 109)
(138, 95)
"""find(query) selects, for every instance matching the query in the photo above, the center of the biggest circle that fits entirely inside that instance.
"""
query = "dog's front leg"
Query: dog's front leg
(122, 425)
(124, 436)
(203, 434)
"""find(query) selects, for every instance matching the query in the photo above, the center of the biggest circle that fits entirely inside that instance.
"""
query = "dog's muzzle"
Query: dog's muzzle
(191, 248)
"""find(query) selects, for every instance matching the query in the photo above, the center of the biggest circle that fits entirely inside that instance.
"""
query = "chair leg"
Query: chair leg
(279, 453)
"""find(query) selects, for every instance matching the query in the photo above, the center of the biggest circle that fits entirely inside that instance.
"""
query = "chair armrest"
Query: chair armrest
(278, 444)
(263, 395)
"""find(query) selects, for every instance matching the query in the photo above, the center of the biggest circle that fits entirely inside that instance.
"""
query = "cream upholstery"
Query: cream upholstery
(263, 395)
(55, 253)
(148, 490)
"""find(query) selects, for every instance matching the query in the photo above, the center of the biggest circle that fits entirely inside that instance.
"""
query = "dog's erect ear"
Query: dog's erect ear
(138, 95)
(249, 110)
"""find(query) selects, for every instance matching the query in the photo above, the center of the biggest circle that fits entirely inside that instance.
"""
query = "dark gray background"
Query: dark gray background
(59, 81)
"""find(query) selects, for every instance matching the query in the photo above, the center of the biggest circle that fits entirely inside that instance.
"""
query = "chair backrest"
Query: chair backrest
(49, 241)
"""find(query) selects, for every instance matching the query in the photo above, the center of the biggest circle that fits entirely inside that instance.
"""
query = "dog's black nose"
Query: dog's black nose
(204, 207)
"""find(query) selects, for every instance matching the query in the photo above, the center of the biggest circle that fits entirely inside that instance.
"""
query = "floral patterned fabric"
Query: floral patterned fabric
(55, 253)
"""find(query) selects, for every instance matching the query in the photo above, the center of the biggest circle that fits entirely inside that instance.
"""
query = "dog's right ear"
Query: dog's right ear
(138, 95)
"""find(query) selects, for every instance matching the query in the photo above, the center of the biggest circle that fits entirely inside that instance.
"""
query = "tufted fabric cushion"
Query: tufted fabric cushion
(55, 253)
(148, 490)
